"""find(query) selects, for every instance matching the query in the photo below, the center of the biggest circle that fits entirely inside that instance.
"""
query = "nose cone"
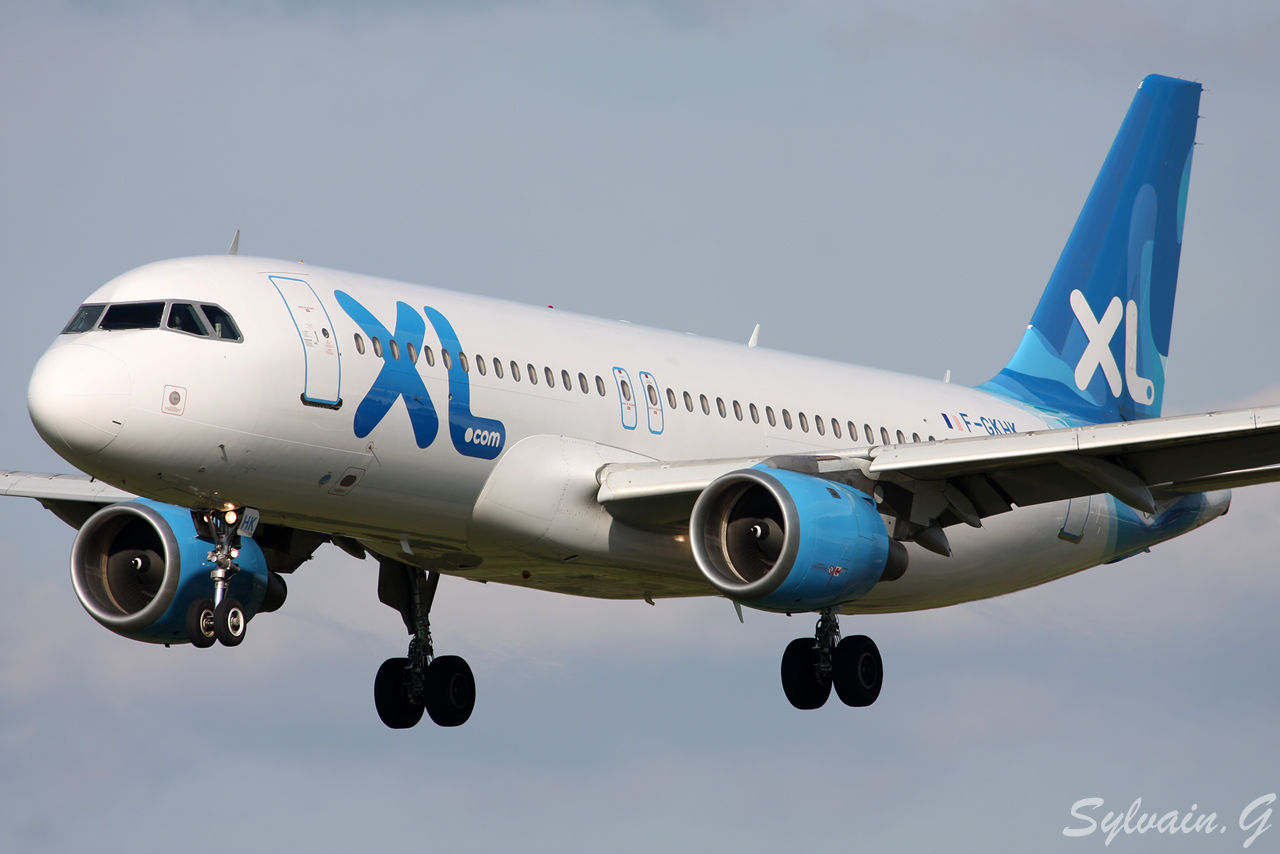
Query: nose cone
(78, 398)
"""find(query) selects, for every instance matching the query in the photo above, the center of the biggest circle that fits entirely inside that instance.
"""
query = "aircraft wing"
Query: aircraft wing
(72, 498)
(963, 480)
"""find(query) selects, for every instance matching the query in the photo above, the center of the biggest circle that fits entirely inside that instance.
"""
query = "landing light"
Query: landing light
(231, 517)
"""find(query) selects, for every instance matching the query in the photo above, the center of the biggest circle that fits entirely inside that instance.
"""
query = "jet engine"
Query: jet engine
(137, 567)
(784, 541)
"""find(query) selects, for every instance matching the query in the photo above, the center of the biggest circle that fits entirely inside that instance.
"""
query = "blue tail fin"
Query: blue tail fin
(1098, 341)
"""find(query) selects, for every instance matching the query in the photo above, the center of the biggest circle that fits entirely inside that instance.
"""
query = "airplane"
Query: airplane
(232, 414)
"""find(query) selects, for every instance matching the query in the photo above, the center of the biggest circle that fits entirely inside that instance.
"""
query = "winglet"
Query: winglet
(235, 244)
(755, 336)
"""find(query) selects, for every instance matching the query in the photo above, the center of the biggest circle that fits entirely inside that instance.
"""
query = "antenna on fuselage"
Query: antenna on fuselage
(235, 244)
(755, 336)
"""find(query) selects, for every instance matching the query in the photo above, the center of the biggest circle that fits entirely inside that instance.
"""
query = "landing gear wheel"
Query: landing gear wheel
(230, 622)
(450, 690)
(389, 697)
(800, 680)
(857, 671)
(200, 624)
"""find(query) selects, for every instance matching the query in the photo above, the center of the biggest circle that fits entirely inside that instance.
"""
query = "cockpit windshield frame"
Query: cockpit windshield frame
(190, 317)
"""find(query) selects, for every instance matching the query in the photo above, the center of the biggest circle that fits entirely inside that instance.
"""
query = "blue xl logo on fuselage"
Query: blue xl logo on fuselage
(472, 435)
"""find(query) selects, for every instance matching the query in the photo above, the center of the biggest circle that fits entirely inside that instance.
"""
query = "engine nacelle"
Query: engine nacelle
(783, 541)
(137, 567)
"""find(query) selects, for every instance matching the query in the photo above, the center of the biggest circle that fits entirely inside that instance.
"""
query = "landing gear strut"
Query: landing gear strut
(811, 666)
(221, 618)
(442, 685)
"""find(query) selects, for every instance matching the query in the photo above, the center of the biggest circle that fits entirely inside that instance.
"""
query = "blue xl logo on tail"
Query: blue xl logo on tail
(472, 435)
(1122, 262)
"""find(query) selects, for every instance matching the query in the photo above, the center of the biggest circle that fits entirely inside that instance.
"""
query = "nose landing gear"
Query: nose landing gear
(812, 666)
(221, 618)
(442, 686)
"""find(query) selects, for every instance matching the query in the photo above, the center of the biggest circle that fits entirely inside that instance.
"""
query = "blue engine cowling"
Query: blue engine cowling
(137, 567)
(783, 541)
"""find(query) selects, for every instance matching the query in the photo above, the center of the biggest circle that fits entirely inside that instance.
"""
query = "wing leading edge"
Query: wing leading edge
(963, 480)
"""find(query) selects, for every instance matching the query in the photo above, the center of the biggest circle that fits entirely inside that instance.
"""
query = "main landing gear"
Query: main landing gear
(221, 618)
(811, 666)
(404, 687)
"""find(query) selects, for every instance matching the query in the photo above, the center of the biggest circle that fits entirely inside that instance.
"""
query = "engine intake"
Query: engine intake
(138, 565)
(784, 541)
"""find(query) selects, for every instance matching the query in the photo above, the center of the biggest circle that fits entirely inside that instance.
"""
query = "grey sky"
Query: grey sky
(888, 184)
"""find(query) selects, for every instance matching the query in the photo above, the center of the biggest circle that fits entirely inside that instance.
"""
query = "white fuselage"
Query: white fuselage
(241, 433)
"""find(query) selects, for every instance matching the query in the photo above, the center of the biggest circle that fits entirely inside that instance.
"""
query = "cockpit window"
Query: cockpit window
(86, 318)
(223, 325)
(133, 315)
(184, 318)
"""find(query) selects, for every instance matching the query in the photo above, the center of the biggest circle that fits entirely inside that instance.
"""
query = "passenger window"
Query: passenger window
(133, 315)
(737, 410)
(582, 383)
(653, 395)
(768, 413)
(377, 346)
(817, 422)
(804, 423)
(853, 432)
(931, 439)
(706, 405)
(183, 317)
(551, 378)
(786, 419)
(497, 367)
(671, 399)
(688, 401)
(480, 366)
(901, 438)
(720, 406)
(871, 437)
(835, 428)
(626, 391)
(429, 355)
(568, 380)
(223, 326)
(462, 363)
(515, 372)
(86, 317)
(413, 352)
(755, 413)
(600, 385)
(884, 435)
(915, 437)
(533, 374)
(359, 344)
(395, 349)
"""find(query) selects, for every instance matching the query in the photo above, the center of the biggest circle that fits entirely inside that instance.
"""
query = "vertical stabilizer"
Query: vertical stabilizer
(1097, 343)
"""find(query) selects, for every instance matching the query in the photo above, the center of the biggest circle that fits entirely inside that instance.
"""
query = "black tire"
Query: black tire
(857, 671)
(450, 690)
(230, 622)
(200, 624)
(389, 698)
(799, 681)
